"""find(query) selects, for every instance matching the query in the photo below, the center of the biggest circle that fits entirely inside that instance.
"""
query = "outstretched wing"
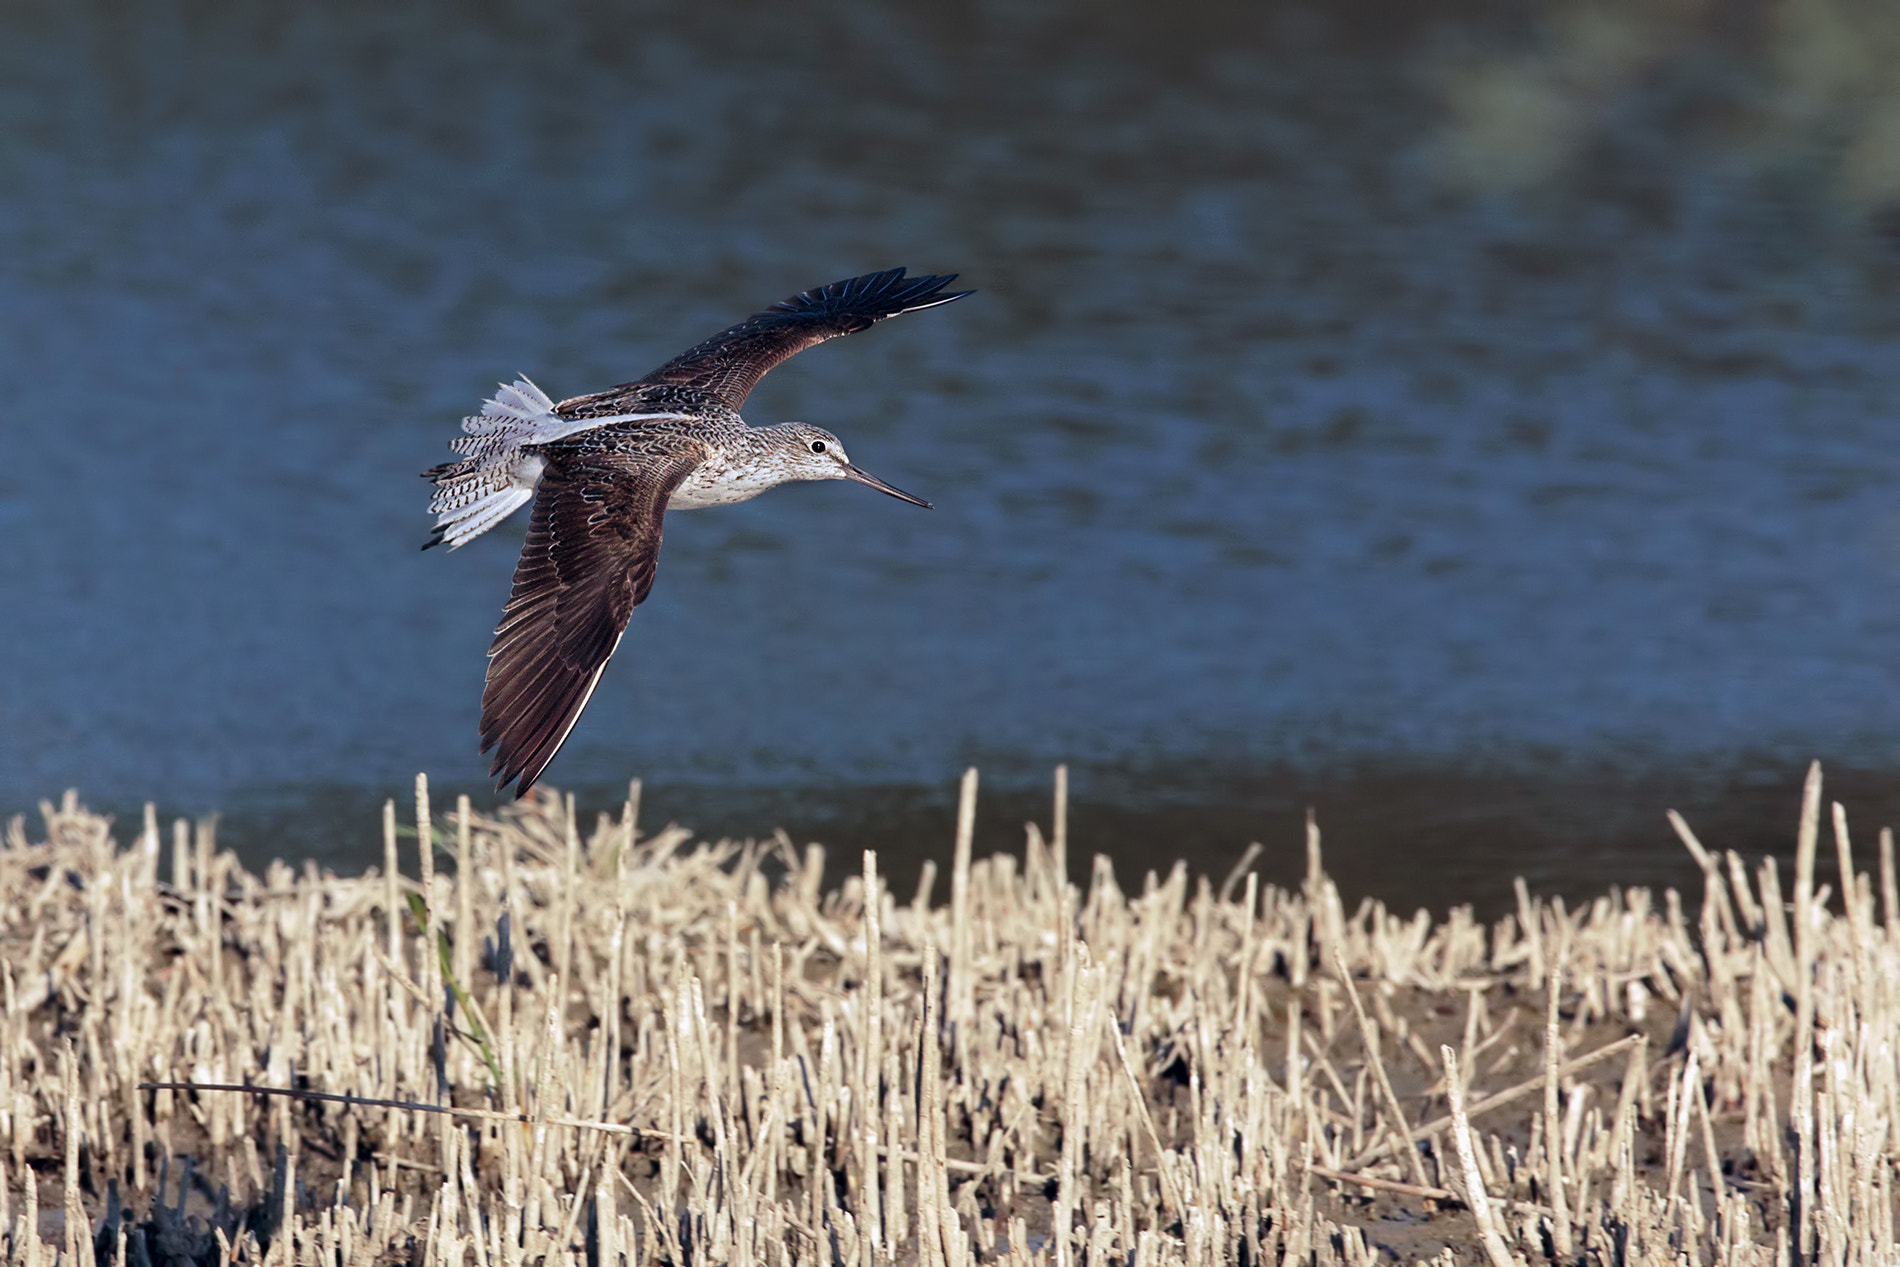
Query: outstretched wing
(730, 364)
(592, 549)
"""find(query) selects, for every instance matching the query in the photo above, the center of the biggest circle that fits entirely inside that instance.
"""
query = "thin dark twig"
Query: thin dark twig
(489, 1115)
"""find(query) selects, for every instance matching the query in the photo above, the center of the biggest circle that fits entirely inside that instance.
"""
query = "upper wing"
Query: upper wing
(729, 365)
(593, 546)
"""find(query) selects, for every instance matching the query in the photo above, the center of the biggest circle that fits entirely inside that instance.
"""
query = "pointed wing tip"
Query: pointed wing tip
(875, 295)
(928, 291)
(524, 776)
(523, 763)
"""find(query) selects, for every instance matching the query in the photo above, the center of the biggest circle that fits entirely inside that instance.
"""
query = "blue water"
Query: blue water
(1311, 423)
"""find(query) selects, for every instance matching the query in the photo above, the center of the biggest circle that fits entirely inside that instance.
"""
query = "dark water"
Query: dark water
(1476, 426)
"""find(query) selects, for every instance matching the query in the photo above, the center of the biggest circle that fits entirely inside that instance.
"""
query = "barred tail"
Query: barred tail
(488, 507)
(497, 473)
(496, 477)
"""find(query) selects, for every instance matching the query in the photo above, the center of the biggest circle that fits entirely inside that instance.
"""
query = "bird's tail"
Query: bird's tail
(494, 477)
(498, 470)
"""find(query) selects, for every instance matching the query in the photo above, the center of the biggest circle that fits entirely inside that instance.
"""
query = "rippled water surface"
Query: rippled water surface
(1480, 428)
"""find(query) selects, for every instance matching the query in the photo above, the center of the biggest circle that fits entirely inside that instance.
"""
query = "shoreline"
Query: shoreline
(1432, 833)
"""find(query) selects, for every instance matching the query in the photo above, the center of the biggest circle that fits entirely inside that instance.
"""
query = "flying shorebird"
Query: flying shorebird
(604, 469)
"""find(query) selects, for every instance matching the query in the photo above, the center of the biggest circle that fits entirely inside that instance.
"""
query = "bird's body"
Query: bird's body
(602, 470)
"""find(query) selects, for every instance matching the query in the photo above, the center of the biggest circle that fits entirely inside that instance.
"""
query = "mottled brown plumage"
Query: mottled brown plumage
(603, 469)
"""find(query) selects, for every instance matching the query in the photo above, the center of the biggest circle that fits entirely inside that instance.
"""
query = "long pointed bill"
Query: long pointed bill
(865, 477)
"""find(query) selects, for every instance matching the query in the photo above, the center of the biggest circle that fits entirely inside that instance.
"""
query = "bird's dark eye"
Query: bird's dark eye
(817, 446)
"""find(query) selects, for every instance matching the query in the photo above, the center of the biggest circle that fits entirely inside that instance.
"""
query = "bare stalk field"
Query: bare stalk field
(534, 1041)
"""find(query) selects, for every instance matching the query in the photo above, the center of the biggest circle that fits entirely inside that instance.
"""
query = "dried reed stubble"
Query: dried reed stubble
(222, 976)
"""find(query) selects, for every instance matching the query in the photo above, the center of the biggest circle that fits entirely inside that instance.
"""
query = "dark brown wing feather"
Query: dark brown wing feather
(593, 546)
(730, 364)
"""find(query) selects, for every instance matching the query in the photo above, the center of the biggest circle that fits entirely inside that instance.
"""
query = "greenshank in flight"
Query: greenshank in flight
(602, 471)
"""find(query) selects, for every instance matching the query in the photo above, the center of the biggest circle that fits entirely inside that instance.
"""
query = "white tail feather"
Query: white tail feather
(496, 476)
(461, 526)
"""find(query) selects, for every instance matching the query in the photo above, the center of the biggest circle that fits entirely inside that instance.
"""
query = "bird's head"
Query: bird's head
(816, 454)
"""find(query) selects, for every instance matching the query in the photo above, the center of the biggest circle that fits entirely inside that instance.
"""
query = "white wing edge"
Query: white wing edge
(521, 413)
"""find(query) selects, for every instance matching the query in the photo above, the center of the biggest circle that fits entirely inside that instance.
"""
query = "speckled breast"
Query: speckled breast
(719, 482)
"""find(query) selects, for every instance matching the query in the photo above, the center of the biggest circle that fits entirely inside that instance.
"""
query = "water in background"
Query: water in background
(1475, 425)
